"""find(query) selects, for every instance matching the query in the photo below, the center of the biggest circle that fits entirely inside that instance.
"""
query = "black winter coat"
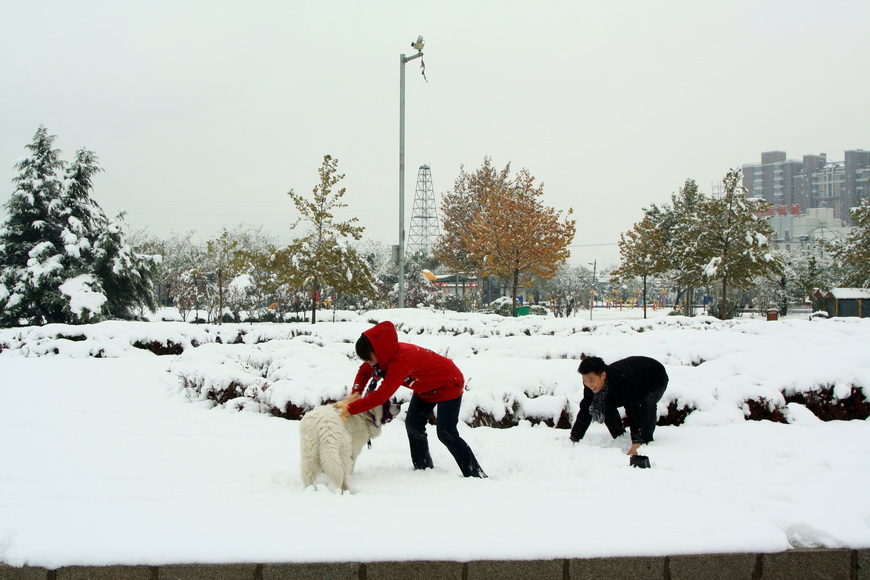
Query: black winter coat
(636, 383)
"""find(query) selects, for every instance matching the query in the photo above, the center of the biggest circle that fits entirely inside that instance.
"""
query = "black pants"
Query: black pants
(448, 434)
(648, 407)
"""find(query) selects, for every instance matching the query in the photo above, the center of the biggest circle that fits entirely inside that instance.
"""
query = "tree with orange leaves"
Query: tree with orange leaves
(514, 236)
(460, 209)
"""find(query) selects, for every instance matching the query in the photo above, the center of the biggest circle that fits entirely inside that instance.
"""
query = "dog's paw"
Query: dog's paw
(314, 487)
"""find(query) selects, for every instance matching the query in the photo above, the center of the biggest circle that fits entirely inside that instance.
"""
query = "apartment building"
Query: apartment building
(813, 182)
(815, 225)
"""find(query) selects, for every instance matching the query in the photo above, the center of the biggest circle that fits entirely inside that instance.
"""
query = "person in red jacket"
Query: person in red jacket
(435, 380)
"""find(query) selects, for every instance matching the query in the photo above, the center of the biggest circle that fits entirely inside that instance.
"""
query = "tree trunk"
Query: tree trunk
(783, 304)
(314, 300)
(724, 296)
(644, 296)
(220, 316)
(516, 283)
(679, 293)
(690, 299)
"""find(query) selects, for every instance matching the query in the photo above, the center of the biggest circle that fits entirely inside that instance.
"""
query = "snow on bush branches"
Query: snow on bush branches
(516, 370)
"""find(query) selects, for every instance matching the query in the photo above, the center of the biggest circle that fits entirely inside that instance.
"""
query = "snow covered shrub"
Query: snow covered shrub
(827, 406)
(676, 415)
(455, 303)
(160, 348)
(731, 310)
(563, 422)
(501, 306)
(762, 409)
(483, 418)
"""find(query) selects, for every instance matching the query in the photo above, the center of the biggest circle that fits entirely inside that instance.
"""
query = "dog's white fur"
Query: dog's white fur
(331, 446)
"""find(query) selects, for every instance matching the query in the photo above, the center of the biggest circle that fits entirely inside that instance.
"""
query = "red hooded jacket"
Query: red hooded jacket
(434, 378)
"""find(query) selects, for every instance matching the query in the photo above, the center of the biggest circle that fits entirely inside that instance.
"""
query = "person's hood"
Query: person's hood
(385, 341)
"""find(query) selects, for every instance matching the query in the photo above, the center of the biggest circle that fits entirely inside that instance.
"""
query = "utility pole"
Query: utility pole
(402, 60)
(592, 294)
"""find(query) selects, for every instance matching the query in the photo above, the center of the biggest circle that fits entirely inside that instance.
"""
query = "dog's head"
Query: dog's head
(383, 414)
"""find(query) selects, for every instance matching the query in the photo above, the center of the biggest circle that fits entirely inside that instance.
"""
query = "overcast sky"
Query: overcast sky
(205, 113)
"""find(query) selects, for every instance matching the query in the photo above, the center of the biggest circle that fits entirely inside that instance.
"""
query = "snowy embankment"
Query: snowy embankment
(517, 369)
(115, 455)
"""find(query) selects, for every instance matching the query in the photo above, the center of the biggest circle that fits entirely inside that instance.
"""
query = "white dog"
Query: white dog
(331, 446)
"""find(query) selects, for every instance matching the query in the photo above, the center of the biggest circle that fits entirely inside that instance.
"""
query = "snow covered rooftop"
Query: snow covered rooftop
(849, 293)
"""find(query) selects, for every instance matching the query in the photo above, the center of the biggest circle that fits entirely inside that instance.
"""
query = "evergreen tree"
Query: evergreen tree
(853, 255)
(32, 248)
(323, 255)
(126, 277)
(61, 259)
(80, 217)
(98, 246)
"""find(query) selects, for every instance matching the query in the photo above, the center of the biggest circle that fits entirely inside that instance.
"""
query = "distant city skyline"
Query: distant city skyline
(815, 181)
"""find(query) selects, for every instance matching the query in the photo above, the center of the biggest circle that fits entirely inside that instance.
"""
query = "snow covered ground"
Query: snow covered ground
(110, 461)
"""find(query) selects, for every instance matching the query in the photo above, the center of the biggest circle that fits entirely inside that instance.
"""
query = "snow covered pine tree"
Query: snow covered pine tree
(61, 258)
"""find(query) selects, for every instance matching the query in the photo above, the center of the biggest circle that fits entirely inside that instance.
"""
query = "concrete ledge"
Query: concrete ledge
(829, 564)
(434, 570)
(26, 573)
(516, 569)
(862, 564)
(715, 567)
(793, 564)
(106, 573)
(636, 568)
(316, 571)
(212, 572)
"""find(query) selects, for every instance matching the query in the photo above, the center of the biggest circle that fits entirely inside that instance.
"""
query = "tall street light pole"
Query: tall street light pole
(594, 265)
(402, 60)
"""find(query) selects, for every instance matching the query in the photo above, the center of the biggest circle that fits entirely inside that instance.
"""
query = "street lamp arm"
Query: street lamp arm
(410, 58)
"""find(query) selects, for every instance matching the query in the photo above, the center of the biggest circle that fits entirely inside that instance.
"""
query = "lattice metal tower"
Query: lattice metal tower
(424, 217)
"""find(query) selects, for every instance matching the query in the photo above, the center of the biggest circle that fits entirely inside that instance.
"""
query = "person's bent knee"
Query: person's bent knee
(447, 435)
(415, 430)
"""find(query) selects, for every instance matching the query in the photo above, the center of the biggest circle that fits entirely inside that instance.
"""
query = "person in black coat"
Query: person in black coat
(636, 383)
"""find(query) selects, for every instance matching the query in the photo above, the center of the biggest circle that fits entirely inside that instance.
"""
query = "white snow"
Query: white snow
(850, 293)
(241, 283)
(82, 296)
(106, 459)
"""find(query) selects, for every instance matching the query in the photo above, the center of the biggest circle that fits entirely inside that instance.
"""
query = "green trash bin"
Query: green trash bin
(522, 311)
